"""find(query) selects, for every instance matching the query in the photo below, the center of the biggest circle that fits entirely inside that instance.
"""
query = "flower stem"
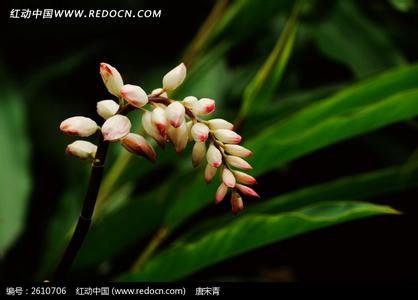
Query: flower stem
(84, 220)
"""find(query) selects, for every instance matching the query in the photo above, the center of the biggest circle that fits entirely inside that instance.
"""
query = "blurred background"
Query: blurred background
(322, 91)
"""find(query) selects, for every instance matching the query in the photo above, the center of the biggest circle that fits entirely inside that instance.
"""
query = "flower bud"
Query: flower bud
(81, 149)
(160, 92)
(204, 106)
(198, 153)
(175, 114)
(227, 136)
(200, 132)
(137, 144)
(228, 178)
(189, 130)
(247, 191)
(151, 129)
(189, 101)
(175, 77)
(220, 124)
(80, 126)
(135, 95)
(238, 162)
(237, 150)
(220, 193)
(244, 178)
(111, 78)
(160, 121)
(210, 172)
(214, 156)
(236, 202)
(107, 108)
(115, 128)
(179, 137)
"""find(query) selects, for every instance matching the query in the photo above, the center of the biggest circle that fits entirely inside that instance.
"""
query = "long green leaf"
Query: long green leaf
(277, 148)
(15, 183)
(246, 234)
(262, 87)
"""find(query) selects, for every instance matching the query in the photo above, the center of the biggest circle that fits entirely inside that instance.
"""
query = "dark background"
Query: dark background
(380, 248)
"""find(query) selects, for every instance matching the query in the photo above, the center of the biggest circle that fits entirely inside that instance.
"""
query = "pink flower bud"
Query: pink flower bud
(237, 150)
(204, 106)
(200, 132)
(210, 172)
(137, 144)
(135, 95)
(189, 101)
(214, 156)
(111, 78)
(81, 149)
(160, 92)
(220, 193)
(80, 126)
(151, 129)
(175, 114)
(238, 162)
(228, 178)
(107, 108)
(175, 77)
(227, 136)
(244, 178)
(115, 128)
(247, 191)
(220, 124)
(236, 202)
(160, 121)
(198, 153)
(179, 137)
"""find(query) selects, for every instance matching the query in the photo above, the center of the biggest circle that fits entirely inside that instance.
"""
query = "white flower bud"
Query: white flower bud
(107, 108)
(227, 136)
(247, 191)
(175, 114)
(228, 178)
(220, 124)
(81, 149)
(214, 156)
(160, 121)
(137, 144)
(80, 126)
(189, 101)
(220, 193)
(204, 106)
(175, 77)
(244, 178)
(238, 162)
(200, 132)
(198, 153)
(236, 202)
(115, 128)
(160, 92)
(237, 150)
(210, 172)
(111, 78)
(135, 95)
(150, 128)
(179, 137)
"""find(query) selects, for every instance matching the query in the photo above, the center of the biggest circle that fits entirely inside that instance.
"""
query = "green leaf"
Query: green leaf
(15, 182)
(262, 87)
(349, 37)
(248, 233)
(402, 5)
(278, 149)
(360, 187)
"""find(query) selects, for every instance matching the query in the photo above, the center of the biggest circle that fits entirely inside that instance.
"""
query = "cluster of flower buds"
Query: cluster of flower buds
(167, 121)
